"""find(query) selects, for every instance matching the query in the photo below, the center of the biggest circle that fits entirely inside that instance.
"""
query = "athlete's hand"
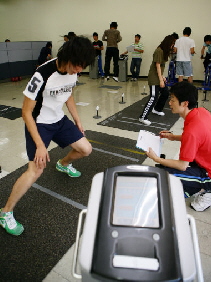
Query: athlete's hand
(80, 127)
(41, 157)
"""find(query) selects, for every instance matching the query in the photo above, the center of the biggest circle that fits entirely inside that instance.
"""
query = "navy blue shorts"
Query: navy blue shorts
(194, 178)
(63, 133)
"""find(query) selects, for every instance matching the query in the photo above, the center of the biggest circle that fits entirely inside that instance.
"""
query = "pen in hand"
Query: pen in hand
(162, 133)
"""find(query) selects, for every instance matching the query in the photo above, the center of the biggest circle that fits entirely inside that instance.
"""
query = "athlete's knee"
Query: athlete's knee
(83, 147)
(86, 151)
(34, 172)
(39, 172)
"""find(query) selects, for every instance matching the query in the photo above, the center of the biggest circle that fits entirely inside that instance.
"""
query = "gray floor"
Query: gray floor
(89, 95)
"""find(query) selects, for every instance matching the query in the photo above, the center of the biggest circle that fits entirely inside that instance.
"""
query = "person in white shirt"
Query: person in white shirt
(184, 47)
(51, 87)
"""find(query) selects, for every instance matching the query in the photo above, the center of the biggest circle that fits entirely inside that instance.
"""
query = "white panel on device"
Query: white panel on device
(135, 262)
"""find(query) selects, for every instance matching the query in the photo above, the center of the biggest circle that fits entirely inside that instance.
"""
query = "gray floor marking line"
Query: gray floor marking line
(59, 197)
(145, 104)
(129, 118)
(152, 121)
(163, 128)
(114, 154)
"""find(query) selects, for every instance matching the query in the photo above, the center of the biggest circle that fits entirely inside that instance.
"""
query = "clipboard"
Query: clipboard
(148, 140)
(130, 48)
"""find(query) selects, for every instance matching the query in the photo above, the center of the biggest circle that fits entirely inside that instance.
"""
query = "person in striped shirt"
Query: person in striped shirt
(136, 57)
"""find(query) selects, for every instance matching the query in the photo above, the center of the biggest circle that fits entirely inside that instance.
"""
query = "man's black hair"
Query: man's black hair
(71, 34)
(207, 38)
(185, 91)
(113, 24)
(48, 44)
(95, 34)
(138, 35)
(175, 35)
(187, 31)
(79, 51)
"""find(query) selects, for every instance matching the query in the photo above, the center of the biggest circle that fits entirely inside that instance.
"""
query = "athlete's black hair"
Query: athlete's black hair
(166, 45)
(185, 91)
(95, 34)
(207, 38)
(187, 31)
(79, 51)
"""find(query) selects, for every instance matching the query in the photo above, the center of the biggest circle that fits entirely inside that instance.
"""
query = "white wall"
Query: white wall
(23, 20)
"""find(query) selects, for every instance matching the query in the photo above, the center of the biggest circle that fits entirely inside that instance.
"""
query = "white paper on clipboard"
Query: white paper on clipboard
(148, 140)
(130, 48)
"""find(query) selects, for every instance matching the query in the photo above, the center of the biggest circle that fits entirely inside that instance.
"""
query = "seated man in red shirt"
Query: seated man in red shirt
(194, 166)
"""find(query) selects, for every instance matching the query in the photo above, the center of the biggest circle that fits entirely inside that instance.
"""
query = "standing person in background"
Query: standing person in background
(207, 44)
(112, 36)
(157, 81)
(184, 47)
(173, 55)
(45, 54)
(136, 57)
(98, 45)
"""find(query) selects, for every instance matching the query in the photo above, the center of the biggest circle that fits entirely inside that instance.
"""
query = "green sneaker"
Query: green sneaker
(70, 170)
(8, 222)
